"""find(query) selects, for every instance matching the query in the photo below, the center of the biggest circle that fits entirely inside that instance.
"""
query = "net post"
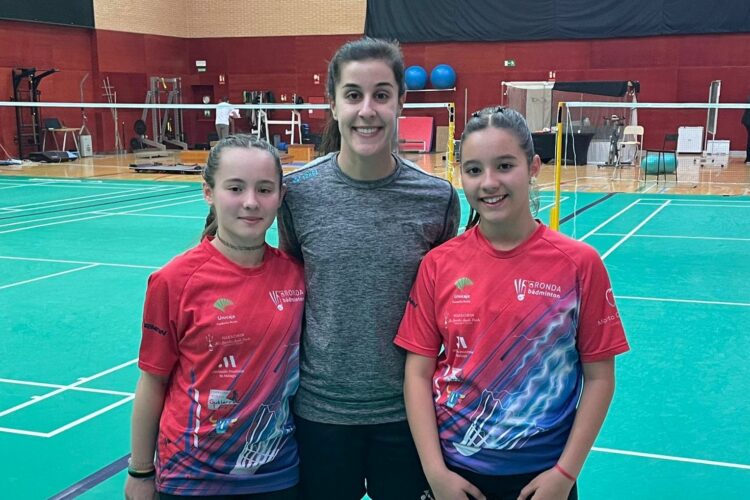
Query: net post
(450, 147)
(554, 215)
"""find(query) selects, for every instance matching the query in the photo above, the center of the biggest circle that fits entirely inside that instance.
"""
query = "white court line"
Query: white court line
(58, 386)
(92, 217)
(165, 205)
(46, 276)
(69, 425)
(86, 182)
(609, 220)
(14, 186)
(671, 458)
(89, 416)
(61, 202)
(23, 433)
(64, 388)
(52, 184)
(48, 179)
(545, 207)
(685, 301)
(149, 203)
(64, 216)
(83, 183)
(60, 261)
(711, 205)
(154, 215)
(710, 238)
(634, 230)
(732, 199)
(552, 198)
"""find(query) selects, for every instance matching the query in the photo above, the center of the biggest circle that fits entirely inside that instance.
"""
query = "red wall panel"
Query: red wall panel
(670, 69)
(40, 46)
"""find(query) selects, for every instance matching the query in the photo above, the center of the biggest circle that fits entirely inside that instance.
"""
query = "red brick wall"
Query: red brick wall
(670, 69)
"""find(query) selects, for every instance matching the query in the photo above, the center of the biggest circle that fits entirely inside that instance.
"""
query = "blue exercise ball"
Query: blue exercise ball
(416, 77)
(443, 77)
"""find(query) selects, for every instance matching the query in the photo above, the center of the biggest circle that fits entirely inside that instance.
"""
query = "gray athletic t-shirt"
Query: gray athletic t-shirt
(361, 243)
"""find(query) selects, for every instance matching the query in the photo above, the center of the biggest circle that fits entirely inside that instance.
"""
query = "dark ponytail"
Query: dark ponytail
(331, 137)
(211, 224)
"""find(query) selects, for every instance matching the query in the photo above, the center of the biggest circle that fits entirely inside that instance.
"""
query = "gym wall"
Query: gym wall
(158, 17)
(670, 68)
(44, 46)
(231, 18)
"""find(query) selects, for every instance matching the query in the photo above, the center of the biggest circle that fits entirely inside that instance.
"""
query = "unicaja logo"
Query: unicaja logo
(222, 304)
(276, 300)
(461, 283)
(520, 288)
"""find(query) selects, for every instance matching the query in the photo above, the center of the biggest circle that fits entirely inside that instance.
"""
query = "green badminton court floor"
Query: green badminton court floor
(75, 255)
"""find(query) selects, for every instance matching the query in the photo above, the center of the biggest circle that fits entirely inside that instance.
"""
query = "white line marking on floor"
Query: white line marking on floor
(47, 276)
(671, 458)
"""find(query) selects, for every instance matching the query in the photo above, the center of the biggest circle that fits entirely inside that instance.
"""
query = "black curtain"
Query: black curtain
(508, 20)
(612, 89)
(67, 12)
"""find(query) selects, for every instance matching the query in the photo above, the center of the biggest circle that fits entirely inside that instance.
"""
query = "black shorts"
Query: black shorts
(503, 487)
(343, 462)
(286, 494)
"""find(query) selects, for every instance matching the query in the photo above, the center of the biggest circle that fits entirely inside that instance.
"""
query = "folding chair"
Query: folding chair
(632, 135)
(663, 161)
(53, 126)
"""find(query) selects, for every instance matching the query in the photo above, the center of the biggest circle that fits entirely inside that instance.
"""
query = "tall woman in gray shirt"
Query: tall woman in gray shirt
(360, 219)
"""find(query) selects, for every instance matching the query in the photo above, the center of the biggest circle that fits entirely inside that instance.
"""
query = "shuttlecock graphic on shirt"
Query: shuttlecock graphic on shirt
(222, 303)
(520, 288)
(263, 441)
(276, 299)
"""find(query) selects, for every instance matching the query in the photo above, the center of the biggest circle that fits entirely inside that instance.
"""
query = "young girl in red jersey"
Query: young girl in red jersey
(511, 407)
(220, 348)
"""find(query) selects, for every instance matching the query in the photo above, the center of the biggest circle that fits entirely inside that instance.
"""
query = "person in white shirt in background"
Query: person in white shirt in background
(224, 111)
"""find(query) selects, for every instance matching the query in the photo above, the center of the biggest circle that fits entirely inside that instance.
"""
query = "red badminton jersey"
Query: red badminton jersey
(515, 327)
(228, 337)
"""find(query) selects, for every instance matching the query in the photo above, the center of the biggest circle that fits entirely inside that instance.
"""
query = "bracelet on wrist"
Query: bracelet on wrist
(565, 473)
(141, 470)
(141, 474)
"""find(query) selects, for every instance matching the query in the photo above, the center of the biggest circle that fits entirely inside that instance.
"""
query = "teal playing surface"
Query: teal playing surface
(75, 255)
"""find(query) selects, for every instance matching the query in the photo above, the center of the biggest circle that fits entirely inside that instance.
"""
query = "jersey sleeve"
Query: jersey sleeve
(287, 237)
(600, 333)
(418, 332)
(159, 344)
